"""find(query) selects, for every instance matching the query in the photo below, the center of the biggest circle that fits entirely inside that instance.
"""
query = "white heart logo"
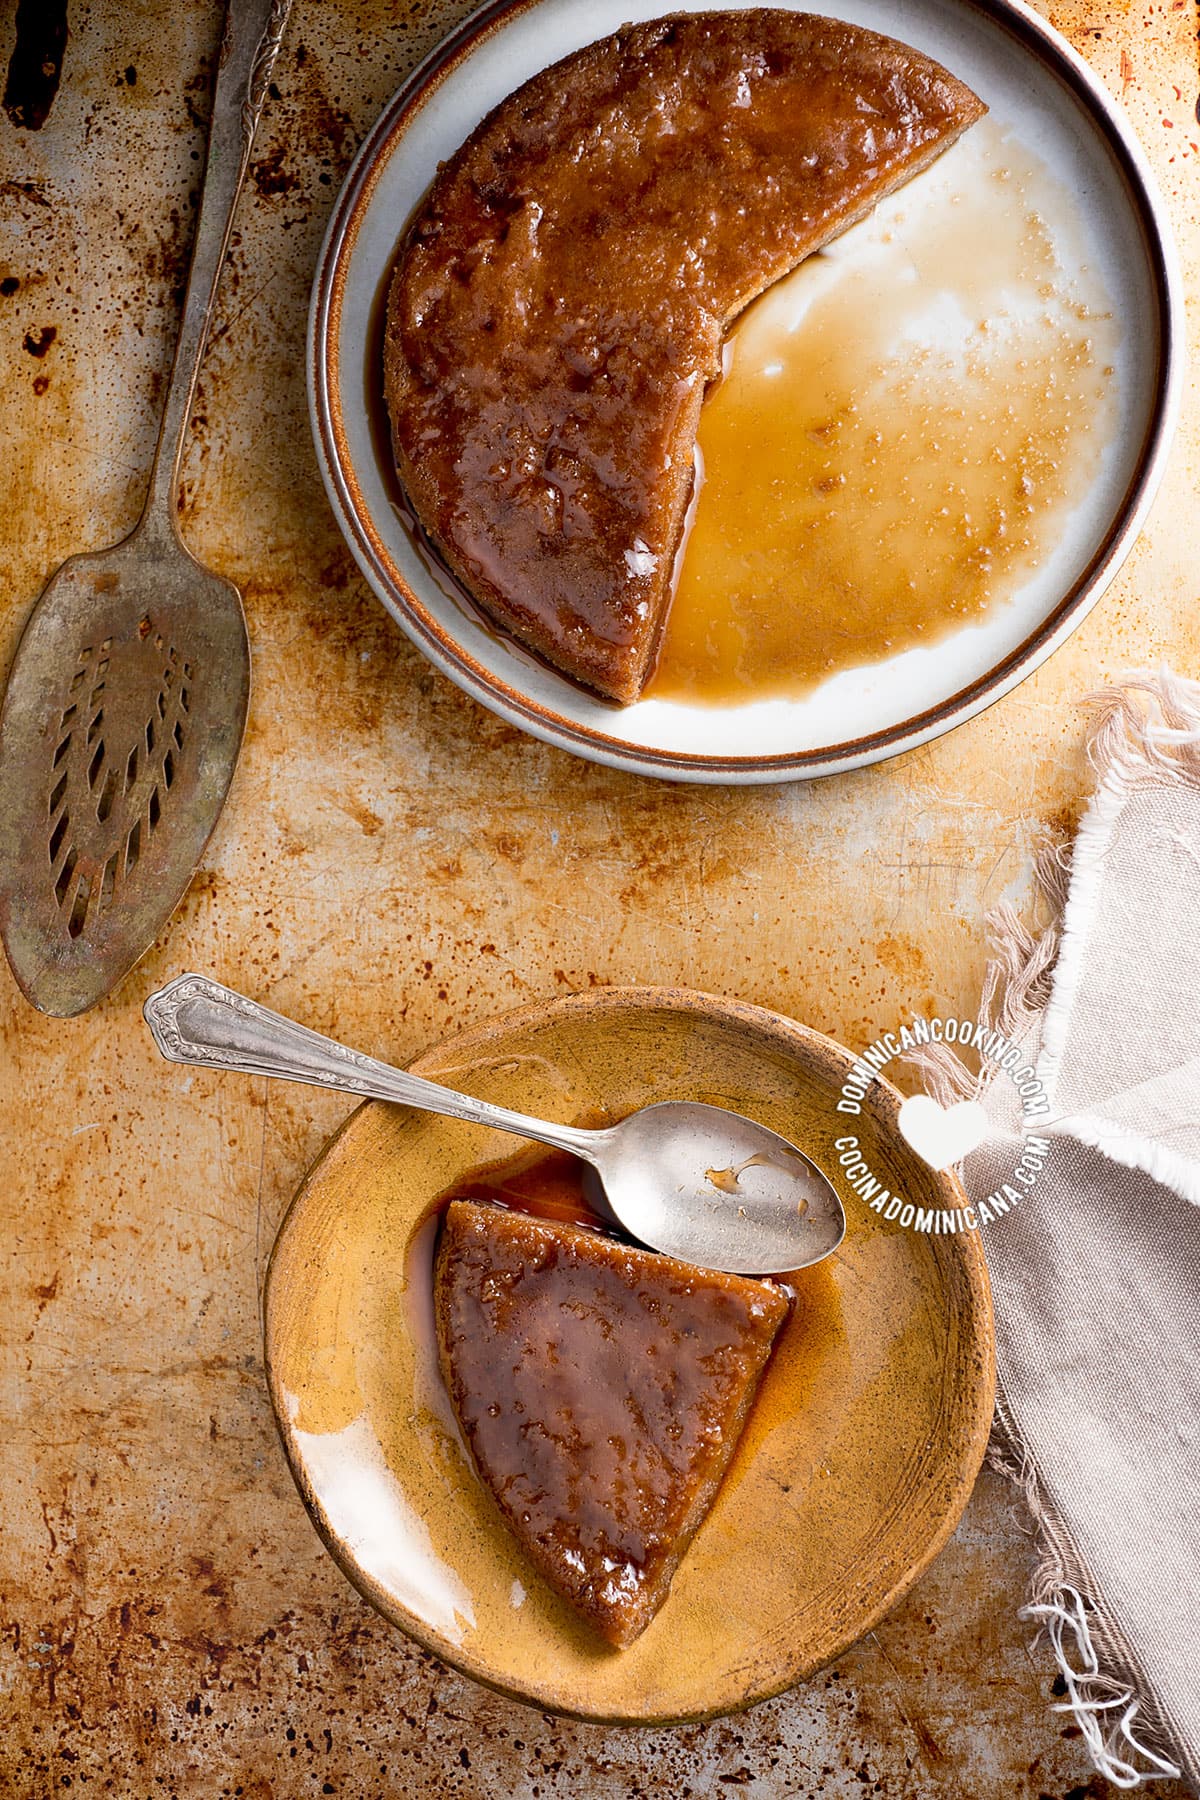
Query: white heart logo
(942, 1135)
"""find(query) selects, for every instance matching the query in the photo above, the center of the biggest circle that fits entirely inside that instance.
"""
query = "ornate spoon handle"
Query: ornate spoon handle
(253, 30)
(195, 1020)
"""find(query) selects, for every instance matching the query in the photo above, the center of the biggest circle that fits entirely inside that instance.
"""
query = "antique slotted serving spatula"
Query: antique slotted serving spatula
(127, 697)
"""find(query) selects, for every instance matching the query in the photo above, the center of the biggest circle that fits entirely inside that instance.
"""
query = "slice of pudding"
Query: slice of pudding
(561, 296)
(601, 1390)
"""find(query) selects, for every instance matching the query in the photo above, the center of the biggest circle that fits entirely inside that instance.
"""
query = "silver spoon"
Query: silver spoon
(692, 1180)
(127, 696)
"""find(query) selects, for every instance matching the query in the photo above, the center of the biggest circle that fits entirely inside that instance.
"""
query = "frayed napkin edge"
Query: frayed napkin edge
(1087, 1645)
(1147, 733)
(1182, 1173)
(1133, 745)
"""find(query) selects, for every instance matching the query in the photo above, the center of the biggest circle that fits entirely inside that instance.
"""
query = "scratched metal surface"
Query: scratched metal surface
(395, 863)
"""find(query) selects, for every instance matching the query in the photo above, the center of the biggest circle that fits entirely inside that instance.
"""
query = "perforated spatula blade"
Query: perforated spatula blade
(118, 741)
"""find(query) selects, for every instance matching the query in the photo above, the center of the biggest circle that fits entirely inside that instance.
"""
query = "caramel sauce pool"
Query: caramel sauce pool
(902, 427)
(550, 1184)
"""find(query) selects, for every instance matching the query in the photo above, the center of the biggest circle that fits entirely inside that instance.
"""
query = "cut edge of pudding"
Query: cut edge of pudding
(601, 1389)
(562, 294)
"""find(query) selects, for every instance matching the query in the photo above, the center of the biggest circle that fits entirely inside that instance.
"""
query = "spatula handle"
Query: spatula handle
(195, 1020)
(253, 30)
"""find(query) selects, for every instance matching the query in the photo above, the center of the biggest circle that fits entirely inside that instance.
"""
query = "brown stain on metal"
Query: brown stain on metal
(27, 190)
(904, 956)
(45, 1292)
(1063, 822)
(167, 1616)
(35, 66)
(369, 822)
(270, 177)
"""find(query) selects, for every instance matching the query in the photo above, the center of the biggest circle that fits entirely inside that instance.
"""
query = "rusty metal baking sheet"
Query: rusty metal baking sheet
(395, 864)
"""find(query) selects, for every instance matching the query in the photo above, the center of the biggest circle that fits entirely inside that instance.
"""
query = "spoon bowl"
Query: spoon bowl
(695, 1181)
(716, 1188)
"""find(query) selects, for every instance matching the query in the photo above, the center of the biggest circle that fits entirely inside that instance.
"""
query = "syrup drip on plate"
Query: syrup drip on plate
(903, 425)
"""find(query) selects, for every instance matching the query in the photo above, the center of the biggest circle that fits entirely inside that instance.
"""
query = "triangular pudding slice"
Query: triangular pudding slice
(602, 1390)
(561, 296)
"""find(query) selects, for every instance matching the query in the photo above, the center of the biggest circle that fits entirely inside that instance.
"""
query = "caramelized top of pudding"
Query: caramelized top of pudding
(601, 1389)
(562, 292)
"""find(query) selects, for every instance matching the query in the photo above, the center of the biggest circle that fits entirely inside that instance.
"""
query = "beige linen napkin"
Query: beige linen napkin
(1096, 1274)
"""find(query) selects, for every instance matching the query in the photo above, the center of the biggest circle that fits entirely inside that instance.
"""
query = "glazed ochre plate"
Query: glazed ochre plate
(857, 1458)
(1095, 202)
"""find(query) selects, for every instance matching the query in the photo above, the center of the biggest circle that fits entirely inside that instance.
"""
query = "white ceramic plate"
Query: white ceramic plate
(1102, 211)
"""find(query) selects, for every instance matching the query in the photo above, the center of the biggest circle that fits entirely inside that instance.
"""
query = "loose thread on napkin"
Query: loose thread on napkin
(1016, 983)
(1132, 744)
(1104, 1706)
(1146, 734)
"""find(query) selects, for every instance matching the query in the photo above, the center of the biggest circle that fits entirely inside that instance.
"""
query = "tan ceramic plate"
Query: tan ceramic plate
(854, 1467)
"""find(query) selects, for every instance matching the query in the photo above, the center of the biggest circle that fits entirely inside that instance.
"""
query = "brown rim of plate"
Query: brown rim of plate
(543, 721)
(788, 1034)
(414, 618)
